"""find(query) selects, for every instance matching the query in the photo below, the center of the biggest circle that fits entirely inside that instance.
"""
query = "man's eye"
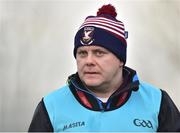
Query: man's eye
(82, 53)
(100, 53)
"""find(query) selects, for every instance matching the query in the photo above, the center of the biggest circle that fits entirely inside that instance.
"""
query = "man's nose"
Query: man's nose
(90, 59)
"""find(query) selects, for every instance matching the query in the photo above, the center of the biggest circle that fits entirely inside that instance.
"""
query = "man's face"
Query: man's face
(97, 66)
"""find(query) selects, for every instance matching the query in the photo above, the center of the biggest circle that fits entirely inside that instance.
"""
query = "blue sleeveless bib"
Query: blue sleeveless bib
(139, 113)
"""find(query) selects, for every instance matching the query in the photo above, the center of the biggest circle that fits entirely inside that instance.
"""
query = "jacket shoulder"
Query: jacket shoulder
(170, 122)
(152, 95)
(56, 94)
(149, 86)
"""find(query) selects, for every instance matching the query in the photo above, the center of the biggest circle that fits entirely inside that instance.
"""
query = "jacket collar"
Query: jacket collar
(116, 100)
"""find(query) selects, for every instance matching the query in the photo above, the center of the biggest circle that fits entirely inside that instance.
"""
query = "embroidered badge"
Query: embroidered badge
(87, 37)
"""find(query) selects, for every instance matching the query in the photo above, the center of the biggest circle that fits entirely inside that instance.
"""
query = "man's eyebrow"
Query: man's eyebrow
(98, 49)
(81, 50)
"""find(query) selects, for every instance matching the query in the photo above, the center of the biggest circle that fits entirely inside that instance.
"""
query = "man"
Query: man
(105, 95)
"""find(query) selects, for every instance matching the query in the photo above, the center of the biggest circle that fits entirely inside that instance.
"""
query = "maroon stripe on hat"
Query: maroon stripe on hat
(106, 19)
(120, 26)
(114, 27)
(120, 35)
(108, 26)
(84, 99)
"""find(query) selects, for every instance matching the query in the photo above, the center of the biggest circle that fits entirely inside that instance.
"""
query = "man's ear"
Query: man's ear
(121, 63)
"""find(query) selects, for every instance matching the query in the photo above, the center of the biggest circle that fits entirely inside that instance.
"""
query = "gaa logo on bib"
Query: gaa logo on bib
(143, 123)
(87, 36)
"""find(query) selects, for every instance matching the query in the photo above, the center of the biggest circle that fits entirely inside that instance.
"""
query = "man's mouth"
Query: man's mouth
(90, 73)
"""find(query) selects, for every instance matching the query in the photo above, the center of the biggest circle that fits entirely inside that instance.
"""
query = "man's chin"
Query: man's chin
(91, 83)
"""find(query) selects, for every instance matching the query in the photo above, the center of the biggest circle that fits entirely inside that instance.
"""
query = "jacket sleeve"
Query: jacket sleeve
(40, 121)
(169, 116)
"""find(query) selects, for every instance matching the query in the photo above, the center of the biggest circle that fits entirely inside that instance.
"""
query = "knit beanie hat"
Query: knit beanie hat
(103, 30)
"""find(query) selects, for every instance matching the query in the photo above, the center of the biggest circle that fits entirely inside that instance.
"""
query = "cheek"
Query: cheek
(79, 65)
(79, 69)
(110, 66)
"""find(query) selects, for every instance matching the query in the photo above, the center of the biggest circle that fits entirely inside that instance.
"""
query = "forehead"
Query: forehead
(91, 48)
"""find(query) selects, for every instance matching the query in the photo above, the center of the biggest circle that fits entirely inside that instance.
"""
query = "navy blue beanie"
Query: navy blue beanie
(105, 31)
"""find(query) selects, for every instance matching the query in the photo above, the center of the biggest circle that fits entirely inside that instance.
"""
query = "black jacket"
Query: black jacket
(168, 119)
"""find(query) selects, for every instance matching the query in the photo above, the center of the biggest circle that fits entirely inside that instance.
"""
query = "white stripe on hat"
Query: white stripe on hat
(121, 35)
(104, 24)
(118, 24)
(106, 19)
(115, 27)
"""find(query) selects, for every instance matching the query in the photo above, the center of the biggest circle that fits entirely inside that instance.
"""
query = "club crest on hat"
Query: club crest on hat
(87, 36)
